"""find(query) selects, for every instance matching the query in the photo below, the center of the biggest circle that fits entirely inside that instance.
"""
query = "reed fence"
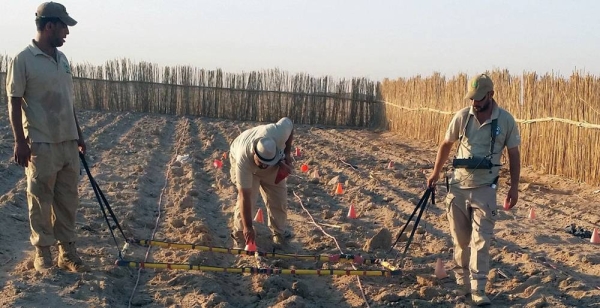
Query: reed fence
(559, 118)
(121, 85)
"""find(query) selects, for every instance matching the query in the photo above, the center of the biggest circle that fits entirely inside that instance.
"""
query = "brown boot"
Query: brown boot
(239, 242)
(464, 285)
(280, 239)
(42, 261)
(68, 258)
(479, 298)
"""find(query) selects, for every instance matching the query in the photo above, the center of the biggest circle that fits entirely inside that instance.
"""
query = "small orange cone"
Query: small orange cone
(259, 216)
(217, 163)
(440, 271)
(352, 212)
(298, 152)
(304, 168)
(531, 214)
(224, 155)
(595, 237)
(250, 246)
(390, 165)
(339, 190)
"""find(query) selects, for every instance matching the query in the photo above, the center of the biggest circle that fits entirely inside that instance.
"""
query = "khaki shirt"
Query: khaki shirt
(476, 143)
(242, 154)
(46, 86)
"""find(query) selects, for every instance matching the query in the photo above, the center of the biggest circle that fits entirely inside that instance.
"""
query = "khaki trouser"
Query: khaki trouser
(274, 196)
(52, 195)
(472, 216)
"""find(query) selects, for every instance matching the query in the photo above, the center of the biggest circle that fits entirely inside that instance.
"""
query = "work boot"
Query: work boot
(239, 241)
(68, 259)
(463, 290)
(42, 261)
(464, 286)
(479, 298)
(279, 239)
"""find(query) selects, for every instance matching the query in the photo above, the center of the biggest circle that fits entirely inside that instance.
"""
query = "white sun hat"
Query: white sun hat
(266, 150)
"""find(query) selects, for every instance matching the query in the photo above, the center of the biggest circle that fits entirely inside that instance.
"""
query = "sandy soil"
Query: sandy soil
(536, 263)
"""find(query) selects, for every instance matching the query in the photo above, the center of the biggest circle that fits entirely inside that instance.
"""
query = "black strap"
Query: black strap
(494, 127)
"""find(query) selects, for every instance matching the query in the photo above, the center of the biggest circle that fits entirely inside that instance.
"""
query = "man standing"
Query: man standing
(482, 130)
(47, 136)
(256, 156)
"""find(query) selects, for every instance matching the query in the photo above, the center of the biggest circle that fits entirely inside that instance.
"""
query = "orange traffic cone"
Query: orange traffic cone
(250, 246)
(339, 190)
(595, 237)
(224, 155)
(390, 165)
(440, 271)
(298, 152)
(531, 214)
(259, 216)
(352, 212)
(304, 168)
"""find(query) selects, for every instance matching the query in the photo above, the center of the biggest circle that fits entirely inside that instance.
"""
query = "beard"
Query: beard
(57, 37)
(57, 42)
(483, 107)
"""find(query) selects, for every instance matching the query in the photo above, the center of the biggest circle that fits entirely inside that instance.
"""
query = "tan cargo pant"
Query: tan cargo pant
(472, 215)
(52, 195)
(274, 196)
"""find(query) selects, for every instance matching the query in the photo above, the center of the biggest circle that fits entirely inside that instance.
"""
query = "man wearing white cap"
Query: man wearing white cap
(482, 131)
(47, 136)
(256, 156)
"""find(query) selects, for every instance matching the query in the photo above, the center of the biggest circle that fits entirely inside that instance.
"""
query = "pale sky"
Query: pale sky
(374, 39)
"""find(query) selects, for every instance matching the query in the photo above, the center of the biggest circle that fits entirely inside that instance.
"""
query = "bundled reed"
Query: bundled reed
(121, 85)
(558, 118)
(254, 96)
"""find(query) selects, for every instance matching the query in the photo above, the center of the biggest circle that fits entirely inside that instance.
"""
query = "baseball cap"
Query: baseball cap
(479, 86)
(55, 10)
(266, 150)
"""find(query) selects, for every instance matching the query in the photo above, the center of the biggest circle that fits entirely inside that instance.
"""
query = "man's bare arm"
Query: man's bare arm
(288, 144)
(442, 156)
(246, 212)
(514, 160)
(22, 152)
(287, 162)
(246, 204)
(15, 116)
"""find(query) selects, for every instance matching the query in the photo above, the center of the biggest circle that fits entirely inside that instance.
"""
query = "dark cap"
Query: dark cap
(55, 10)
